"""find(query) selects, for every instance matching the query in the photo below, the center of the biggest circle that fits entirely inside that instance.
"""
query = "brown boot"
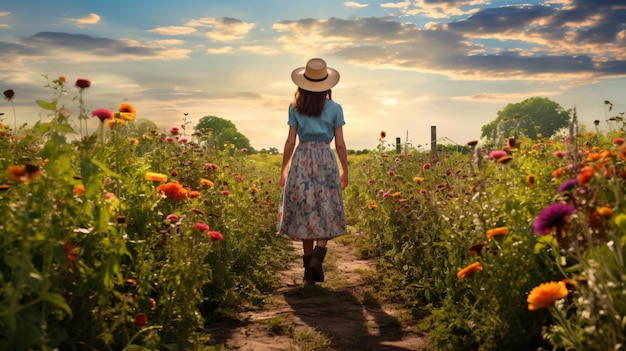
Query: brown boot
(315, 266)
(306, 259)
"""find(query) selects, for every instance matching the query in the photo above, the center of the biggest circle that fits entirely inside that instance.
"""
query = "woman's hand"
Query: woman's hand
(344, 180)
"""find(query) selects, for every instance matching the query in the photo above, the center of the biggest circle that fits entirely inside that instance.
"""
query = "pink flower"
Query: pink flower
(225, 192)
(201, 226)
(387, 194)
(426, 166)
(497, 154)
(167, 139)
(182, 140)
(244, 150)
(371, 181)
(83, 83)
(212, 166)
(102, 113)
(174, 130)
(423, 191)
(618, 141)
(215, 236)
(559, 153)
(172, 217)
(391, 173)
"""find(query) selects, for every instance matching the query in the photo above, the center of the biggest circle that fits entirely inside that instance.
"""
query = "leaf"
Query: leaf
(56, 300)
(105, 169)
(47, 105)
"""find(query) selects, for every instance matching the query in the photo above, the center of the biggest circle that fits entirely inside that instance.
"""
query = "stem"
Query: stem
(14, 117)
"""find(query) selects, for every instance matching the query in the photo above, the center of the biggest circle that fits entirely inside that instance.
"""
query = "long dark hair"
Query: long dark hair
(311, 103)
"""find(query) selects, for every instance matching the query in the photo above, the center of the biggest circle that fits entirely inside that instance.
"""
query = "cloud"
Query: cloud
(222, 29)
(4, 13)
(92, 18)
(523, 42)
(83, 48)
(354, 4)
(173, 30)
(222, 50)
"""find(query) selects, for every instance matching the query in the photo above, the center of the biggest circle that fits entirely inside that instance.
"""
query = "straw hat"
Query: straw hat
(315, 76)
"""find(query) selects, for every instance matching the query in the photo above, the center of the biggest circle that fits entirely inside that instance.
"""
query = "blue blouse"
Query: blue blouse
(320, 128)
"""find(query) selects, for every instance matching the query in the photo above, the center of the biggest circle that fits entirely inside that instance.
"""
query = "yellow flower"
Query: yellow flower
(127, 111)
(474, 267)
(497, 231)
(156, 177)
(418, 179)
(545, 295)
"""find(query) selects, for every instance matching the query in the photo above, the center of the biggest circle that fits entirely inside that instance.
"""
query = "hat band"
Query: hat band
(316, 80)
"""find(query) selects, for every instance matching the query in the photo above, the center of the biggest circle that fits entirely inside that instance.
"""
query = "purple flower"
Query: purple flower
(567, 185)
(552, 217)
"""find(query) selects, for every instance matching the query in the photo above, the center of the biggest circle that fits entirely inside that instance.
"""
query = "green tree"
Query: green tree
(223, 132)
(529, 117)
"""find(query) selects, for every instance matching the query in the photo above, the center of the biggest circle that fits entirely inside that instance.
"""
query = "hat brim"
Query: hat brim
(297, 76)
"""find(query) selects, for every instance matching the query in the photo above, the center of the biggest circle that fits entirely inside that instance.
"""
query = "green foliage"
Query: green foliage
(224, 132)
(93, 256)
(530, 117)
(423, 213)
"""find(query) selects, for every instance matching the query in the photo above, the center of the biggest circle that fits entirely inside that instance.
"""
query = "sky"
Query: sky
(405, 65)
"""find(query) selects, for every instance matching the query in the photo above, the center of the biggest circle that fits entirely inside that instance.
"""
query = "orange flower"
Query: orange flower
(497, 232)
(396, 194)
(530, 180)
(193, 194)
(156, 177)
(545, 295)
(505, 159)
(23, 173)
(206, 182)
(173, 190)
(605, 211)
(557, 173)
(585, 175)
(79, 190)
(474, 267)
(418, 179)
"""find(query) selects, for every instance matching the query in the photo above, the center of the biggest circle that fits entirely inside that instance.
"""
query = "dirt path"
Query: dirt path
(340, 314)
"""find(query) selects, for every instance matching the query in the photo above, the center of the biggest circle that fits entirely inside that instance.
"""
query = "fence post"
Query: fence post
(433, 140)
(398, 145)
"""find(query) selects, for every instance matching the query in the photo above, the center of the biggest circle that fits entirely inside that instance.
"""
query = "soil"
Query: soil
(340, 314)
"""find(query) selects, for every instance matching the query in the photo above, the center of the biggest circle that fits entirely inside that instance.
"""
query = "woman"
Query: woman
(311, 205)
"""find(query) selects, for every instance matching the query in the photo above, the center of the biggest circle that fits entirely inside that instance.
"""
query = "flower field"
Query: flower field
(120, 240)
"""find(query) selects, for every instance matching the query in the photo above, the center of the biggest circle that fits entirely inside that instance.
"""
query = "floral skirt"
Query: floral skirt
(311, 205)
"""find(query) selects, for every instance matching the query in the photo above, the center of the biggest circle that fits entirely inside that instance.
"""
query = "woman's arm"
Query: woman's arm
(290, 144)
(342, 153)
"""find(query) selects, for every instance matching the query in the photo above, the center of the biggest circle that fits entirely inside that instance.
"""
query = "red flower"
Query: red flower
(83, 83)
(9, 94)
(71, 254)
(141, 319)
(201, 226)
(215, 236)
(102, 113)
